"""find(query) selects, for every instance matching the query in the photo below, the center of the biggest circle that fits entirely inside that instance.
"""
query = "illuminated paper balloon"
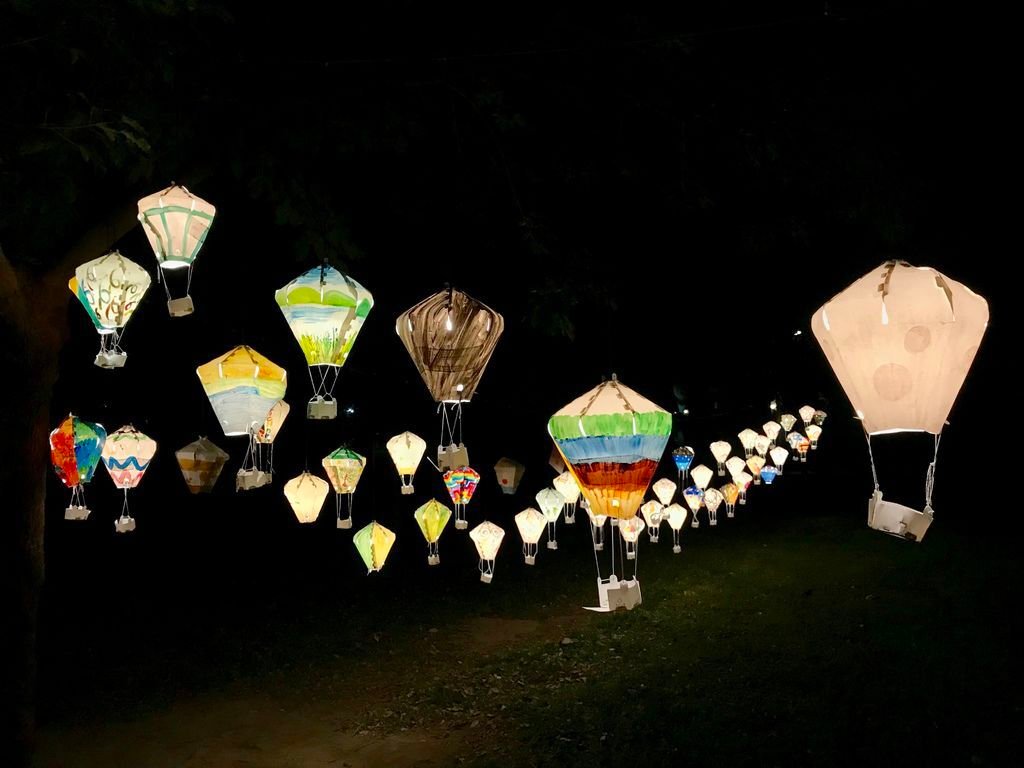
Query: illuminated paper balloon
(768, 474)
(771, 431)
(743, 481)
(612, 439)
(676, 517)
(461, 484)
(487, 537)
(813, 434)
(694, 498)
(531, 524)
(75, 450)
(761, 445)
(596, 528)
(432, 517)
(551, 502)
(806, 414)
(747, 439)
(735, 465)
(779, 455)
(787, 421)
(802, 448)
(713, 499)
(651, 512)
(630, 530)
(683, 458)
(566, 485)
(701, 476)
(509, 474)
(201, 462)
(344, 468)
(110, 288)
(273, 423)
(373, 543)
(325, 311)
(819, 418)
(664, 489)
(730, 493)
(721, 449)
(406, 451)
(755, 464)
(258, 466)
(794, 439)
(306, 494)
(176, 223)
(127, 454)
(242, 386)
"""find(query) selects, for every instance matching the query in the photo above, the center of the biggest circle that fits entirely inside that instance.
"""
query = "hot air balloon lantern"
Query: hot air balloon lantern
(762, 445)
(730, 493)
(694, 498)
(201, 462)
(487, 537)
(509, 474)
(566, 485)
(787, 421)
(243, 386)
(551, 502)
(373, 543)
(713, 499)
(325, 311)
(630, 530)
(721, 449)
(683, 458)
(176, 223)
(794, 439)
(110, 288)
(344, 467)
(735, 465)
(813, 434)
(771, 431)
(676, 514)
(127, 454)
(702, 476)
(802, 447)
(664, 490)
(755, 464)
(432, 517)
(747, 438)
(260, 464)
(778, 455)
(806, 414)
(651, 513)
(76, 447)
(819, 418)
(406, 451)
(306, 493)
(450, 337)
(743, 481)
(461, 484)
(769, 473)
(612, 439)
(531, 525)
(596, 528)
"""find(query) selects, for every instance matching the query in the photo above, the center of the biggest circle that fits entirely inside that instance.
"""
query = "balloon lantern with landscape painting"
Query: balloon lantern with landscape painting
(344, 467)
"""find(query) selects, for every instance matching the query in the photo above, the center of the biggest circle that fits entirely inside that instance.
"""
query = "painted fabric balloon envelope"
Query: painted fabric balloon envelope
(344, 468)
(567, 486)
(630, 529)
(531, 525)
(110, 288)
(664, 489)
(461, 484)
(259, 464)
(730, 493)
(683, 458)
(325, 311)
(675, 515)
(551, 502)
(901, 340)
(787, 421)
(432, 517)
(721, 449)
(127, 454)
(487, 537)
(813, 434)
(694, 498)
(651, 512)
(747, 437)
(76, 447)
(450, 337)
(406, 451)
(373, 543)
(201, 462)
(176, 223)
(509, 473)
(306, 493)
(713, 499)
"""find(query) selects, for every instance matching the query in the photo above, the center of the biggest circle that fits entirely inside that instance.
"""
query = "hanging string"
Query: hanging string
(871, 457)
(929, 480)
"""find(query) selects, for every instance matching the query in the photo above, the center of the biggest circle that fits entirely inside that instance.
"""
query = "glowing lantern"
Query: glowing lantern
(596, 527)
(373, 542)
(683, 458)
(769, 473)
(566, 485)
(612, 439)
(450, 336)
(819, 418)
(406, 451)
(743, 480)
(664, 489)
(550, 502)
(343, 468)
(747, 438)
(487, 536)
(794, 439)
(201, 462)
(806, 413)
(325, 311)
(75, 450)
(761, 445)
(509, 473)
(306, 493)
(461, 484)
(787, 421)
(258, 466)
(702, 476)
(730, 493)
(432, 517)
(735, 465)
(242, 386)
(779, 455)
(802, 446)
(676, 517)
(630, 529)
(813, 434)
(176, 223)
(651, 513)
(712, 501)
(694, 498)
(755, 464)
(721, 449)
(110, 288)
(126, 455)
(771, 431)
(531, 524)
